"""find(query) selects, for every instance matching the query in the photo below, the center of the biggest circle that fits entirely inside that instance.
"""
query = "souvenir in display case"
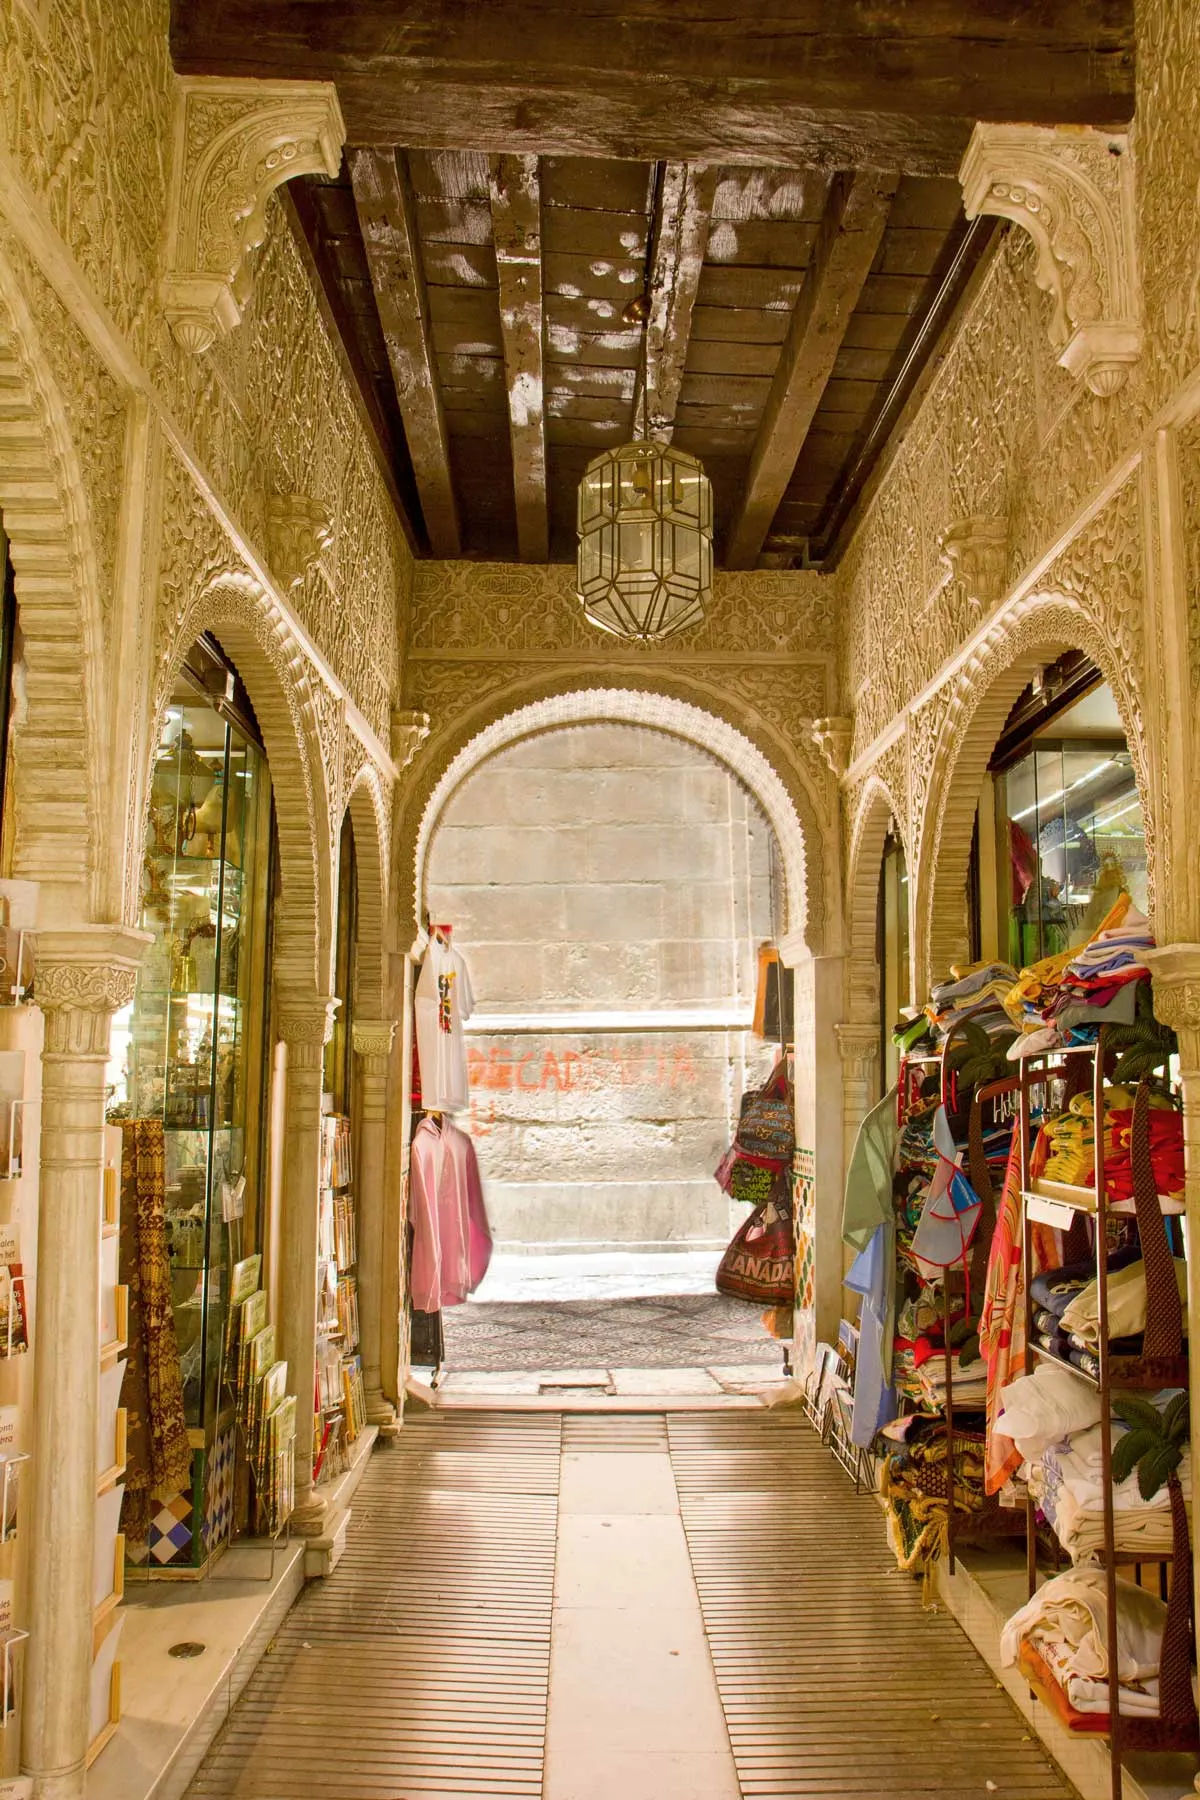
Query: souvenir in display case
(190, 1050)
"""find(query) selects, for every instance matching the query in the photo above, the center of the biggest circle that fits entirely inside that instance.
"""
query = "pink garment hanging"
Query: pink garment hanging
(452, 1243)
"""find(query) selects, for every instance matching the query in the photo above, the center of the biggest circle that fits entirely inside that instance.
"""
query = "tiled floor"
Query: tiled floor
(638, 1606)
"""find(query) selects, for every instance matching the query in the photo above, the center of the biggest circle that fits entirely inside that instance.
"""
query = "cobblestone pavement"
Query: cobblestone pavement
(675, 1331)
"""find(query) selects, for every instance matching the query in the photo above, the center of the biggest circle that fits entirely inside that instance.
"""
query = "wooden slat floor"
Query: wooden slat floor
(835, 1682)
(420, 1667)
(419, 1670)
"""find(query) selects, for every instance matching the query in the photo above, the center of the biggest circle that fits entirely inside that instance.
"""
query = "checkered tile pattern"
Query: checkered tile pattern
(218, 1493)
(171, 1530)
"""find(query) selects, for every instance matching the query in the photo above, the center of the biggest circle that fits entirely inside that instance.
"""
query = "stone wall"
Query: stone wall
(605, 869)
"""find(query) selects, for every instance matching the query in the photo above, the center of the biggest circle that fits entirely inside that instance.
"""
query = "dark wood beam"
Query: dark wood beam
(680, 238)
(853, 224)
(517, 228)
(833, 83)
(386, 216)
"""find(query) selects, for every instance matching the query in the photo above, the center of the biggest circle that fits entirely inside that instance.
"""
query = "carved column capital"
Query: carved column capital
(409, 731)
(298, 530)
(305, 1025)
(858, 1046)
(833, 738)
(373, 1037)
(975, 554)
(82, 977)
(1175, 969)
(1072, 190)
(235, 142)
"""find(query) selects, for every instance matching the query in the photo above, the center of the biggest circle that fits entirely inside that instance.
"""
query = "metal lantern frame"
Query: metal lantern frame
(645, 557)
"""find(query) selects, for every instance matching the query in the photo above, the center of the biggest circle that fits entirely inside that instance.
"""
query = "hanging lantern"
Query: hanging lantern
(644, 567)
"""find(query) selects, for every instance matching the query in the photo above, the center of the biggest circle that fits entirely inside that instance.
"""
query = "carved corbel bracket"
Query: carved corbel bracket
(409, 731)
(833, 738)
(1071, 189)
(298, 530)
(975, 553)
(1175, 969)
(235, 142)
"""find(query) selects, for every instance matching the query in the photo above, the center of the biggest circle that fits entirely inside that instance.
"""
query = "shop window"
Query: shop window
(895, 973)
(338, 1049)
(1070, 828)
(191, 1050)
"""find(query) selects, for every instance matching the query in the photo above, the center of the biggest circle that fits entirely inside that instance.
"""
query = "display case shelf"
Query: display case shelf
(116, 1469)
(117, 1346)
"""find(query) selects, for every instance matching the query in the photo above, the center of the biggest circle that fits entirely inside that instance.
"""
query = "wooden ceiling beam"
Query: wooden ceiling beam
(853, 223)
(798, 82)
(387, 218)
(517, 228)
(680, 240)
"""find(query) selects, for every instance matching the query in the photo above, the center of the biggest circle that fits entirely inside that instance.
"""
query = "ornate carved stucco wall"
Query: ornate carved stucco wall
(187, 461)
(1095, 504)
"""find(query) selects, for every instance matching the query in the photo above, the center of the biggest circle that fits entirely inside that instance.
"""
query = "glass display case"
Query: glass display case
(1075, 841)
(191, 1048)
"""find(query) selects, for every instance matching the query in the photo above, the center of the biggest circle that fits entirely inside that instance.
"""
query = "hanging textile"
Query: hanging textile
(1002, 1320)
(452, 1243)
(443, 1002)
(158, 1455)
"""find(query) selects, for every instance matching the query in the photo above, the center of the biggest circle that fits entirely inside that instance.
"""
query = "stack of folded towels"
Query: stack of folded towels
(976, 993)
(1065, 1625)
(1067, 1483)
(1066, 1309)
(1066, 998)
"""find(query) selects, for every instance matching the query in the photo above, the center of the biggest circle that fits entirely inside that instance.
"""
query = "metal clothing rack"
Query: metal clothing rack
(1163, 1363)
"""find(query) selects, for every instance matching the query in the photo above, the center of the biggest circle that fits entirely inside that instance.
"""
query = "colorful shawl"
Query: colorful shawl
(1002, 1319)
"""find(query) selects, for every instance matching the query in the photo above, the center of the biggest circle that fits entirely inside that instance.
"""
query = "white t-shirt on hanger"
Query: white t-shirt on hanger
(443, 1002)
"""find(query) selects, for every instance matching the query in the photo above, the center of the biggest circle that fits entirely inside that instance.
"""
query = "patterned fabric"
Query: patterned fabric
(159, 1456)
(1002, 1320)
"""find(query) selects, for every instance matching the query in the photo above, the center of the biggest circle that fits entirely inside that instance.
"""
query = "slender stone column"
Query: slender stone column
(859, 1049)
(83, 977)
(1176, 972)
(372, 1039)
(305, 1025)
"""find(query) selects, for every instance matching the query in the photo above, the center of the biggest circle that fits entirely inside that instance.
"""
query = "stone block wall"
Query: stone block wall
(605, 869)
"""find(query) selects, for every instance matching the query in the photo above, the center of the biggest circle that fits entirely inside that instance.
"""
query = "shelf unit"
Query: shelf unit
(1162, 1364)
(340, 1412)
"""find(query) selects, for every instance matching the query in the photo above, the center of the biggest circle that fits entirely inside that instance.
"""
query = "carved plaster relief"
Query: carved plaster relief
(235, 143)
(975, 554)
(1072, 191)
(298, 531)
(409, 731)
(832, 738)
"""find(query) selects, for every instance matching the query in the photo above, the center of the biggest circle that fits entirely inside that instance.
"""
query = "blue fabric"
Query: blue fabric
(873, 1275)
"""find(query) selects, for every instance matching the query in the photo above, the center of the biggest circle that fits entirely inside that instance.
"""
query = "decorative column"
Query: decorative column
(372, 1040)
(305, 1026)
(83, 977)
(1176, 972)
(858, 1046)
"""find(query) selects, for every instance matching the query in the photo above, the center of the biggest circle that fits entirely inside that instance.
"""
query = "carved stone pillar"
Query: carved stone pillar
(372, 1039)
(83, 977)
(858, 1046)
(1176, 972)
(305, 1025)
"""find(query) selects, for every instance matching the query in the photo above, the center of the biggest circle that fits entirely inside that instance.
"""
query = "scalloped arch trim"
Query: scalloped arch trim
(1021, 641)
(661, 712)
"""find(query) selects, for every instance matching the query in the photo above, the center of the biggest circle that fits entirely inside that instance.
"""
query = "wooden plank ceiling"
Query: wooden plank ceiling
(779, 197)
